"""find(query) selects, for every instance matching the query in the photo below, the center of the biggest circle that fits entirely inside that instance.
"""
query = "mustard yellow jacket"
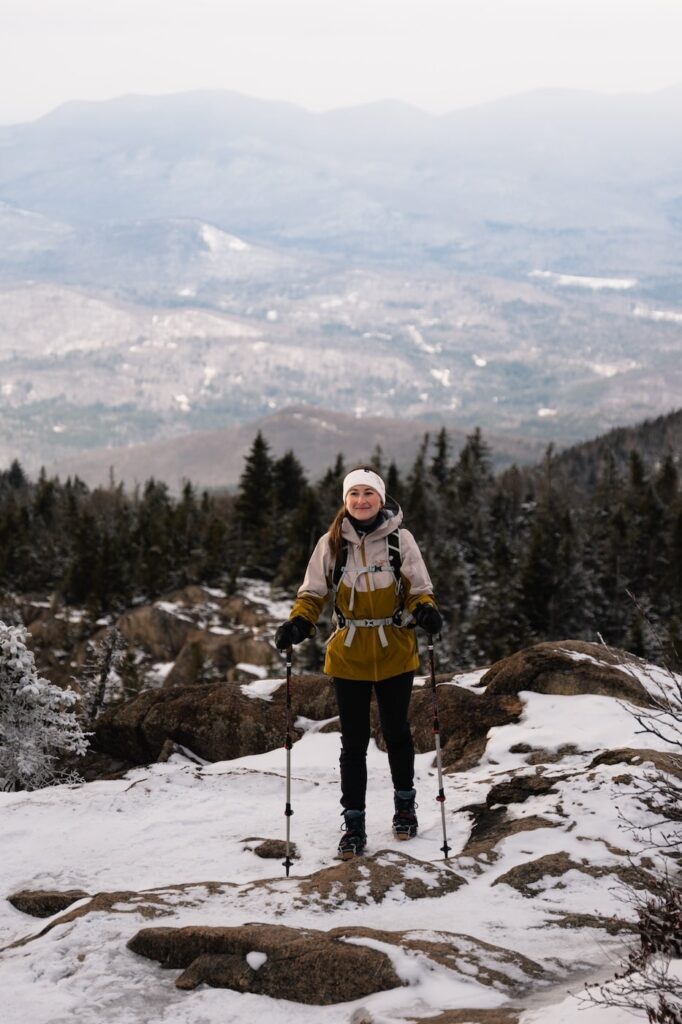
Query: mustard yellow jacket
(367, 590)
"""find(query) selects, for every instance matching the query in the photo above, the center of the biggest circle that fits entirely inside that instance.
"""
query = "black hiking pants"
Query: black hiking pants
(353, 697)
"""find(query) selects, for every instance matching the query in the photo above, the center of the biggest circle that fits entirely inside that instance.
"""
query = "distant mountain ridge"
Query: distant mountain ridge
(387, 174)
(215, 459)
(316, 436)
(652, 439)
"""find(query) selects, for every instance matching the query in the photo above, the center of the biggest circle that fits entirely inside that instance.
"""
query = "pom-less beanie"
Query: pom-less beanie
(364, 478)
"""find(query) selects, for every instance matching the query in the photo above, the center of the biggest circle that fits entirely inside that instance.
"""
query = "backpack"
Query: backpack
(395, 559)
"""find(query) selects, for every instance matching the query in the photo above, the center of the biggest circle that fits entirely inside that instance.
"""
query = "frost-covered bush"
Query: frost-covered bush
(36, 724)
(650, 979)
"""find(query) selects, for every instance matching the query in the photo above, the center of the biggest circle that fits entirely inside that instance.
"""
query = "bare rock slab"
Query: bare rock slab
(367, 880)
(45, 902)
(568, 668)
(301, 965)
(270, 849)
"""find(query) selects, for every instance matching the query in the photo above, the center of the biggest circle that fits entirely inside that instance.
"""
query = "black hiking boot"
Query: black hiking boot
(354, 838)
(405, 822)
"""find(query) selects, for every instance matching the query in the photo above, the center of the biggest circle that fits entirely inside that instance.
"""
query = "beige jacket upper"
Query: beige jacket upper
(370, 652)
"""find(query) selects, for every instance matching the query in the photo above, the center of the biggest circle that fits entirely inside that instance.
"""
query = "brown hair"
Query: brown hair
(335, 539)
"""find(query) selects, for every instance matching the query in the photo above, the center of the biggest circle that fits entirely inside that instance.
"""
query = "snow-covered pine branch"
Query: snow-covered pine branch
(36, 723)
(100, 680)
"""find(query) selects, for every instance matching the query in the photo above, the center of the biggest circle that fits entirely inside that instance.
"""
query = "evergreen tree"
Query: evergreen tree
(100, 682)
(329, 489)
(417, 500)
(377, 461)
(153, 539)
(440, 463)
(15, 476)
(36, 723)
(289, 483)
(394, 485)
(255, 514)
(667, 481)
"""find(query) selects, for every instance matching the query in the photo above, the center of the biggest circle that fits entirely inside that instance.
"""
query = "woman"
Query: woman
(381, 588)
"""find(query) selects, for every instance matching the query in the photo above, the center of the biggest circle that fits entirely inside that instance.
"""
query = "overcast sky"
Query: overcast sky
(436, 54)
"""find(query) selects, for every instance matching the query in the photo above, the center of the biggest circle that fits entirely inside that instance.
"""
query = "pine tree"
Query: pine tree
(440, 463)
(255, 514)
(302, 528)
(289, 483)
(36, 723)
(377, 460)
(417, 501)
(15, 476)
(667, 480)
(329, 489)
(100, 680)
(153, 539)
(394, 485)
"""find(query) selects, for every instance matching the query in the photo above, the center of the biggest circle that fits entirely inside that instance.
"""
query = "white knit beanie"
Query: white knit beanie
(364, 478)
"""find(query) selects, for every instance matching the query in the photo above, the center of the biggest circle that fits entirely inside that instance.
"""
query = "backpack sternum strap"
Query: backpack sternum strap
(394, 564)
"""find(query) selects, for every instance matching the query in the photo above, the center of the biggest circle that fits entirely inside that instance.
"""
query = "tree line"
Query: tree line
(528, 554)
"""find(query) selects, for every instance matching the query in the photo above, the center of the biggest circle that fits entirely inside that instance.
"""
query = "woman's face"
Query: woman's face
(363, 503)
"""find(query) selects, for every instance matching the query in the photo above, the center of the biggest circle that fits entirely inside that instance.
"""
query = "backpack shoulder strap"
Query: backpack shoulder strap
(395, 555)
(339, 567)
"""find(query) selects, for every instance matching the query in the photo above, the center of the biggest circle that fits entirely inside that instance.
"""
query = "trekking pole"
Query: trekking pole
(436, 732)
(287, 746)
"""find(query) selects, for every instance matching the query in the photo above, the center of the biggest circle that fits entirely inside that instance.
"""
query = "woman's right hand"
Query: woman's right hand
(428, 618)
(293, 631)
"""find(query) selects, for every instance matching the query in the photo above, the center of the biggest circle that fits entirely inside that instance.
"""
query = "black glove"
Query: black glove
(428, 618)
(293, 631)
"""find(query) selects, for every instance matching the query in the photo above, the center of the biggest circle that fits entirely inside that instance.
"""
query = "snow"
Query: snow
(173, 609)
(417, 338)
(589, 722)
(581, 281)
(469, 679)
(262, 689)
(163, 830)
(182, 402)
(259, 592)
(614, 368)
(255, 960)
(218, 241)
(443, 377)
(157, 673)
(575, 1010)
(666, 316)
(254, 670)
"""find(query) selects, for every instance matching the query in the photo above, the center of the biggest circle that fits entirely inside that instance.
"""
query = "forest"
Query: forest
(586, 547)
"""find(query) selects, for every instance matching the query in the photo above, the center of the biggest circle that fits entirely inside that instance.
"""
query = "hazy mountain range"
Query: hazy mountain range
(385, 173)
(194, 262)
